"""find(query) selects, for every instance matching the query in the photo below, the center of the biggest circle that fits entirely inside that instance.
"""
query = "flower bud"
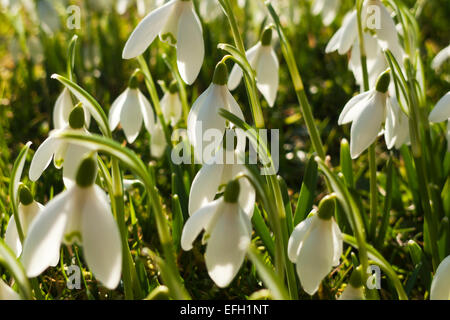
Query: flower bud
(220, 74)
(266, 37)
(76, 117)
(232, 191)
(87, 172)
(25, 196)
(356, 280)
(326, 207)
(383, 81)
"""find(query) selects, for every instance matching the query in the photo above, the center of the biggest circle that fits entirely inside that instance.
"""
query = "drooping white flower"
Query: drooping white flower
(345, 36)
(66, 155)
(315, 246)
(440, 286)
(177, 24)
(440, 58)
(367, 112)
(129, 109)
(171, 105)
(158, 140)
(204, 118)
(63, 107)
(396, 129)
(264, 61)
(441, 112)
(28, 209)
(83, 215)
(327, 9)
(7, 293)
(227, 234)
(211, 177)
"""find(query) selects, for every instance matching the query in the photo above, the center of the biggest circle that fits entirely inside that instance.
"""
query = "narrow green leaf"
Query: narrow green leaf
(307, 191)
(178, 222)
(346, 163)
(263, 231)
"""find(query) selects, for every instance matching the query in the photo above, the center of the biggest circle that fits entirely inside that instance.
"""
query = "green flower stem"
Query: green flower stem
(249, 82)
(371, 151)
(305, 107)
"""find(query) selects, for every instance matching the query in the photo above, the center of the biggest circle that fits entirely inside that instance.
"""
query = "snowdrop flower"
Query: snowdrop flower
(64, 154)
(212, 176)
(441, 112)
(204, 114)
(346, 35)
(129, 109)
(158, 141)
(7, 293)
(396, 129)
(264, 61)
(177, 24)
(228, 232)
(366, 111)
(81, 214)
(315, 246)
(171, 104)
(327, 8)
(440, 58)
(209, 10)
(28, 209)
(354, 290)
(63, 107)
(440, 286)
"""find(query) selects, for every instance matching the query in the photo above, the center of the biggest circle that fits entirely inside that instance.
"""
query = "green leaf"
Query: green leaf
(178, 221)
(307, 191)
(263, 231)
(346, 163)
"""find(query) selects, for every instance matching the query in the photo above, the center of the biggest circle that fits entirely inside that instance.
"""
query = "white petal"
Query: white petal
(12, 237)
(43, 157)
(389, 127)
(146, 31)
(158, 141)
(227, 244)
(441, 111)
(247, 194)
(45, 235)
(7, 293)
(367, 125)
(190, 47)
(440, 286)
(62, 108)
(72, 160)
(101, 239)
(298, 234)
(235, 76)
(205, 186)
(440, 58)
(131, 116)
(315, 258)
(116, 109)
(349, 33)
(352, 108)
(448, 135)
(147, 112)
(267, 74)
(337, 242)
(197, 222)
(352, 293)
(171, 107)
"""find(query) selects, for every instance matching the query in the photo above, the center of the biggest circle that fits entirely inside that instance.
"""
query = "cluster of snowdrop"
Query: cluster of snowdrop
(222, 198)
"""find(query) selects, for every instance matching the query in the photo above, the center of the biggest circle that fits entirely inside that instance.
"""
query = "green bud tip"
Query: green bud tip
(326, 207)
(87, 172)
(232, 191)
(76, 117)
(173, 88)
(266, 37)
(383, 81)
(25, 196)
(220, 74)
(356, 280)
(133, 83)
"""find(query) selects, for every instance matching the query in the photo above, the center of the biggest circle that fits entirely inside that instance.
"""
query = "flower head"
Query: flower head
(62, 109)
(177, 24)
(204, 118)
(227, 234)
(315, 246)
(171, 104)
(64, 154)
(83, 215)
(264, 61)
(129, 109)
(354, 289)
